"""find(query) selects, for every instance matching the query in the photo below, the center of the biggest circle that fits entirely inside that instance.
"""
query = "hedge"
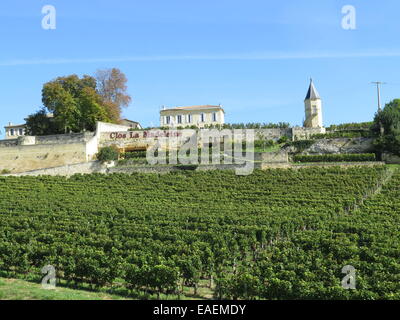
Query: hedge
(335, 157)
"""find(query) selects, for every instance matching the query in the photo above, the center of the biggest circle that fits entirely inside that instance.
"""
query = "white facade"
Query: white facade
(14, 131)
(198, 116)
(313, 108)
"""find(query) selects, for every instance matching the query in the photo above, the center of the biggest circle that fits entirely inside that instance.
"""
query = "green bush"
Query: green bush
(263, 143)
(108, 154)
(5, 171)
(335, 157)
(133, 155)
(343, 134)
(283, 139)
(351, 126)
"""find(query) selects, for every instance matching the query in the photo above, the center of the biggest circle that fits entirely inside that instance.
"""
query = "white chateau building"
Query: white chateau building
(198, 116)
(14, 131)
(313, 108)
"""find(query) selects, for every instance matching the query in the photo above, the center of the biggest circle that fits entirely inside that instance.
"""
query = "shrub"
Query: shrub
(283, 139)
(134, 155)
(263, 143)
(343, 134)
(108, 154)
(335, 157)
(5, 171)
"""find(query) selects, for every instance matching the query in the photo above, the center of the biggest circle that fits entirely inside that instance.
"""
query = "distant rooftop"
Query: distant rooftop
(195, 107)
(312, 93)
(11, 125)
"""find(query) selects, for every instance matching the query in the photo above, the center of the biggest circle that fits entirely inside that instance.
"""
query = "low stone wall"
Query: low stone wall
(32, 157)
(64, 138)
(68, 170)
(8, 143)
(300, 133)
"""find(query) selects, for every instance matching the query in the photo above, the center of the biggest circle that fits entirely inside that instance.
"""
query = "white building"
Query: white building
(13, 131)
(198, 116)
(130, 123)
(313, 108)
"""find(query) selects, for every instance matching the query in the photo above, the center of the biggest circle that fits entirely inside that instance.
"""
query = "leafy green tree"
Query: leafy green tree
(40, 124)
(90, 109)
(389, 120)
(74, 102)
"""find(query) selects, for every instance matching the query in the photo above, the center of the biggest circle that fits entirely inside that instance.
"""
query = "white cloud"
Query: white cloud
(235, 56)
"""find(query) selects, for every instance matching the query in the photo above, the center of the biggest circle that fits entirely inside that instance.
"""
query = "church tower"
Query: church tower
(313, 108)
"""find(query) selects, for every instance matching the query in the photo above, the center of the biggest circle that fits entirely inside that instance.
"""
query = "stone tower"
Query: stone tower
(313, 108)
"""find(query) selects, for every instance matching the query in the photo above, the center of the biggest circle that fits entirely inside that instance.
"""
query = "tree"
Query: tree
(40, 124)
(111, 86)
(389, 120)
(74, 102)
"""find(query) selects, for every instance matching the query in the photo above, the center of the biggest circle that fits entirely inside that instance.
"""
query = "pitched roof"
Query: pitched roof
(131, 121)
(195, 108)
(312, 93)
(15, 125)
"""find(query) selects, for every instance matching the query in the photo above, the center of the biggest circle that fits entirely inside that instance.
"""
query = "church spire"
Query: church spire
(312, 93)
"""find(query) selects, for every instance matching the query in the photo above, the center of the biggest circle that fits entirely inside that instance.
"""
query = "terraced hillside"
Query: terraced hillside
(275, 234)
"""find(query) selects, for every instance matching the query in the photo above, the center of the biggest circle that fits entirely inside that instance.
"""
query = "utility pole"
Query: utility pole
(378, 88)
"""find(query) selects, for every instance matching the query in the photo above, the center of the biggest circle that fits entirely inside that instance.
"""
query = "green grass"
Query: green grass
(15, 289)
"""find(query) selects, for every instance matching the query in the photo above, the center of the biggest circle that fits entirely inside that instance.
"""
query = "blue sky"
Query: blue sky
(253, 57)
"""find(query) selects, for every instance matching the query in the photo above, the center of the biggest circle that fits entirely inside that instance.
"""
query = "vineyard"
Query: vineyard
(275, 234)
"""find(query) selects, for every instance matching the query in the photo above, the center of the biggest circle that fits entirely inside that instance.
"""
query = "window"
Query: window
(179, 119)
(214, 117)
(202, 117)
(21, 132)
(11, 132)
(189, 118)
(167, 119)
(314, 110)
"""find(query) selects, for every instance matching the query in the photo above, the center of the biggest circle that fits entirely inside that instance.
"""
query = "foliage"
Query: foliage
(335, 157)
(250, 125)
(74, 103)
(78, 103)
(275, 234)
(351, 126)
(108, 154)
(41, 124)
(283, 139)
(343, 134)
(389, 120)
(263, 143)
(133, 155)
(111, 86)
